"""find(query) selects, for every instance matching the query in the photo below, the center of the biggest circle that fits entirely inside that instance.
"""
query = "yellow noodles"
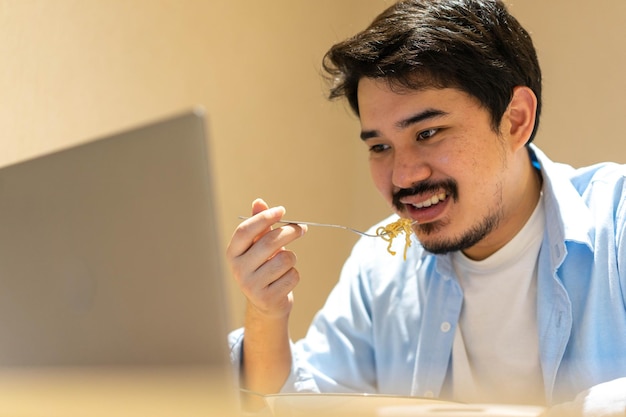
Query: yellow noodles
(392, 230)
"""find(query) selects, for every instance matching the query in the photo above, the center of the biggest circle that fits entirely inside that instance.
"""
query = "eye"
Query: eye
(378, 148)
(427, 134)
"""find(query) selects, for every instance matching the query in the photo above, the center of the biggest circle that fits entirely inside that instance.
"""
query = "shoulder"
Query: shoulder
(601, 186)
(603, 175)
(582, 177)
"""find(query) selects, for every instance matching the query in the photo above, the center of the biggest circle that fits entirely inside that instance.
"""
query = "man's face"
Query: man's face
(436, 159)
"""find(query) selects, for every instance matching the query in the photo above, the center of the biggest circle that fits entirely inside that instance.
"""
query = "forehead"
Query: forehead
(378, 97)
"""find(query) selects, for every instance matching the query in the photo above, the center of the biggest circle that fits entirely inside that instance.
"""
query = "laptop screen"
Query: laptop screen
(109, 254)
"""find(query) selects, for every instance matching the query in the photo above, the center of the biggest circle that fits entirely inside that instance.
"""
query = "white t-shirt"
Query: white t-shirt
(495, 357)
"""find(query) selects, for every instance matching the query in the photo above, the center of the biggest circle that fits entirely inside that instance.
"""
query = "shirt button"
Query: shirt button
(429, 394)
(445, 327)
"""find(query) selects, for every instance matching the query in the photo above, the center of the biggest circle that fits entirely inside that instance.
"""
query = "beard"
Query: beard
(468, 238)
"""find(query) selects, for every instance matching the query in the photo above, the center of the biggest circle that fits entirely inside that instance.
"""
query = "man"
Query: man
(513, 290)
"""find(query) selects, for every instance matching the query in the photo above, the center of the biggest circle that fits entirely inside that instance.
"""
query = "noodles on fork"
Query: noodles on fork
(392, 230)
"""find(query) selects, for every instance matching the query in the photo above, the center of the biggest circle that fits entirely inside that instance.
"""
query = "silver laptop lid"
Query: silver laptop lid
(109, 253)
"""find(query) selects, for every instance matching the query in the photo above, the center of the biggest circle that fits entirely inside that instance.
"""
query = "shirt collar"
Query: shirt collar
(567, 216)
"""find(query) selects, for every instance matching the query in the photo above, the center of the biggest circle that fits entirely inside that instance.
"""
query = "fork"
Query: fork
(336, 226)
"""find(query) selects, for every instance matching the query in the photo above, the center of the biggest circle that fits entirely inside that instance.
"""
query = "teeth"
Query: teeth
(431, 201)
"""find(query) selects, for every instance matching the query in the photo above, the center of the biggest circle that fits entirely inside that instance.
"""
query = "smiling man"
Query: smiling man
(514, 290)
(423, 145)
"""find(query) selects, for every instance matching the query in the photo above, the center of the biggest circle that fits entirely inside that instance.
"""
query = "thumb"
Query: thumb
(258, 206)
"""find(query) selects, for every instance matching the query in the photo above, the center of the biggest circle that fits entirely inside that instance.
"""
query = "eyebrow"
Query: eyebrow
(409, 121)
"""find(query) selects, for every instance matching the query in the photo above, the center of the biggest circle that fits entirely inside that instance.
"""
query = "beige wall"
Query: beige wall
(75, 69)
(583, 55)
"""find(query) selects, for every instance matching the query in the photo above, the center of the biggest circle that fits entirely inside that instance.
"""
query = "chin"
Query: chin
(438, 238)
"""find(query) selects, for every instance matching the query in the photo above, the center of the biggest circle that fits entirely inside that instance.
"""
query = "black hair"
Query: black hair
(475, 46)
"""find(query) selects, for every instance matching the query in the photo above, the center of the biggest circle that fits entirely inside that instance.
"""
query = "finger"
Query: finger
(275, 276)
(277, 298)
(266, 249)
(273, 296)
(258, 206)
(271, 243)
(277, 266)
(251, 229)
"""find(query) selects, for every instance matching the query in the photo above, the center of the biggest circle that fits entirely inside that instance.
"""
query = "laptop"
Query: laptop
(110, 261)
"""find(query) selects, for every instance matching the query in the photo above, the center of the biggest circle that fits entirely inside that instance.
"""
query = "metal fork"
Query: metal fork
(336, 226)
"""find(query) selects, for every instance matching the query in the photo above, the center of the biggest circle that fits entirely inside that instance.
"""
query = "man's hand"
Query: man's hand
(265, 272)
(263, 268)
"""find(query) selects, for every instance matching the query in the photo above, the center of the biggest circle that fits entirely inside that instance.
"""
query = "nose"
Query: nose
(409, 168)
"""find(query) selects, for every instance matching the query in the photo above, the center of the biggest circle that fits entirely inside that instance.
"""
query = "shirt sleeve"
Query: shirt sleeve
(337, 353)
(298, 380)
(621, 240)
(235, 342)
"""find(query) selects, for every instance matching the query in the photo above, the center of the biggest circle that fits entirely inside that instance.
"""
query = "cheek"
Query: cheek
(381, 177)
(444, 161)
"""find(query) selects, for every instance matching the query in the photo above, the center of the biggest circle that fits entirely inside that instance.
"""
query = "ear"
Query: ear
(521, 114)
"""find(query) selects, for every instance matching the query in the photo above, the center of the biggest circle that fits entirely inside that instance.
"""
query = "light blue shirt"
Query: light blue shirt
(388, 326)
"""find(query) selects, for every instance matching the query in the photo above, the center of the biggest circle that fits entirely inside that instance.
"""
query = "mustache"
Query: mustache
(425, 187)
